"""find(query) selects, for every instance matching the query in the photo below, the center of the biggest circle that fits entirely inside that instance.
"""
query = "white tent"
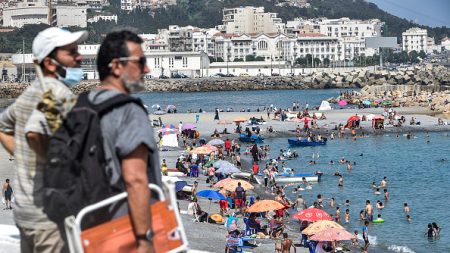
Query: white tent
(324, 106)
(169, 140)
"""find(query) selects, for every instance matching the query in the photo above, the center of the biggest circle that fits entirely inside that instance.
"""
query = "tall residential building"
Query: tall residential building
(414, 39)
(250, 20)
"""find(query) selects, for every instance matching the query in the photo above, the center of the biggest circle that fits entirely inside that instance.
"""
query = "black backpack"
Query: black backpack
(76, 173)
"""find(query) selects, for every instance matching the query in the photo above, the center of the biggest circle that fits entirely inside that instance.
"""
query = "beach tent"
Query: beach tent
(353, 121)
(324, 106)
(169, 140)
(378, 122)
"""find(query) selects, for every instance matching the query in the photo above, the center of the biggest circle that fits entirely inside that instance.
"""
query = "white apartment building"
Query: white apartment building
(277, 47)
(154, 42)
(445, 44)
(128, 5)
(110, 18)
(250, 19)
(203, 40)
(24, 14)
(68, 15)
(414, 39)
(315, 44)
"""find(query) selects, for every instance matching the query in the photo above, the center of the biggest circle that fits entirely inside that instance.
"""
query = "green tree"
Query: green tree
(326, 62)
(250, 58)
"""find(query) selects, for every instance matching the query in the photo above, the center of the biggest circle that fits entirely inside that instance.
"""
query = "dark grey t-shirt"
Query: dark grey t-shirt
(124, 129)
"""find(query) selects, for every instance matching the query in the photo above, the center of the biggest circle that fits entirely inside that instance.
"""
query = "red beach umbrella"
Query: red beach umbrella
(312, 214)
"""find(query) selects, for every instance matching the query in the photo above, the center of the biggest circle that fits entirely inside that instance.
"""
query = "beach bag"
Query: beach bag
(117, 236)
(76, 173)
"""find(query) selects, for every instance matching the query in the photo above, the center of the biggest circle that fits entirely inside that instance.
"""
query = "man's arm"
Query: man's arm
(134, 169)
(8, 142)
(38, 143)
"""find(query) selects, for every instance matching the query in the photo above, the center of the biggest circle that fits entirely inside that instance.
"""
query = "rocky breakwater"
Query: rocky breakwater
(432, 77)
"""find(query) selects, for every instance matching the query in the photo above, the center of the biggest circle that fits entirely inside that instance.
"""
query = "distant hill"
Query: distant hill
(208, 13)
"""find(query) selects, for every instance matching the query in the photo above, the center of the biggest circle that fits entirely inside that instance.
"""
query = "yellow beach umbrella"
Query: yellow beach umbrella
(203, 150)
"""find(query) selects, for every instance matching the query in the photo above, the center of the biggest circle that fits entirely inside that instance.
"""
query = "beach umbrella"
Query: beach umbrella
(188, 126)
(179, 185)
(319, 226)
(312, 214)
(210, 194)
(203, 150)
(231, 186)
(170, 126)
(169, 107)
(210, 163)
(377, 117)
(386, 102)
(264, 206)
(217, 218)
(332, 234)
(156, 106)
(342, 102)
(366, 102)
(159, 112)
(222, 182)
(354, 117)
(222, 163)
(240, 119)
(228, 169)
(223, 122)
(216, 142)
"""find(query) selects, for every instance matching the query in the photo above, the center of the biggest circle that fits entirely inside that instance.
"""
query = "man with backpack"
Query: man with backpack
(55, 52)
(130, 147)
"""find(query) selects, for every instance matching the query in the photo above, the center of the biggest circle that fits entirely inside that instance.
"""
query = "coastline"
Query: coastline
(207, 124)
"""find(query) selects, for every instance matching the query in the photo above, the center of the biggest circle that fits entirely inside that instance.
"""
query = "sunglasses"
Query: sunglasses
(141, 60)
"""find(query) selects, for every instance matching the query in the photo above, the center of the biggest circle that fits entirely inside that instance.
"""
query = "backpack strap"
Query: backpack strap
(109, 104)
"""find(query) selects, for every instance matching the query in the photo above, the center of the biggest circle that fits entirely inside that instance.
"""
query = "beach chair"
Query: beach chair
(117, 235)
(249, 230)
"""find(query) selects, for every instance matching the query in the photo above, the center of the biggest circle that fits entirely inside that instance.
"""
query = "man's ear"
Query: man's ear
(116, 68)
(49, 66)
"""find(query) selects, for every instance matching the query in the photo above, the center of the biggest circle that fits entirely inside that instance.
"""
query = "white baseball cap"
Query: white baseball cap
(53, 37)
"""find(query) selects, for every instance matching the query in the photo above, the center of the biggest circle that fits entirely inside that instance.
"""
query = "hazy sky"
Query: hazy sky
(425, 12)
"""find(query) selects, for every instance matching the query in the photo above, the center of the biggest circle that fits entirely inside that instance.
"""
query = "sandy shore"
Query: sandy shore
(207, 124)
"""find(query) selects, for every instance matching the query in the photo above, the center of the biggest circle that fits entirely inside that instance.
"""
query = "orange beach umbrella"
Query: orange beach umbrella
(264, 206)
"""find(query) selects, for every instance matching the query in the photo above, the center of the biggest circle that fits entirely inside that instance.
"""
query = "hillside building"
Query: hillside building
(250, 19)
(414, 39)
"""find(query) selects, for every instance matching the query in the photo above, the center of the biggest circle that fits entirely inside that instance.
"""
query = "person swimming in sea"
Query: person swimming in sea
(377, 191)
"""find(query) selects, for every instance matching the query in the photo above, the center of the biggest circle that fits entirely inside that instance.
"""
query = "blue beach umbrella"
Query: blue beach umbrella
(179, 185)
(366, 102)
(210, 194)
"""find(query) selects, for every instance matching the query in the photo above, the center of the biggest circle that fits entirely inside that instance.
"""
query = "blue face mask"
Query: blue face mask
(72, 76)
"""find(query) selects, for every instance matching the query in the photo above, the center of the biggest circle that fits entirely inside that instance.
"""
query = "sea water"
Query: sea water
(417, 171)
(237, 100)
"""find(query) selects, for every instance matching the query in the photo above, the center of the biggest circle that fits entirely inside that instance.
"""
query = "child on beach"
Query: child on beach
(355, 239)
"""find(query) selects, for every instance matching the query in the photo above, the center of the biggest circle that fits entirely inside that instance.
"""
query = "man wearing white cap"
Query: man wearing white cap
(56, 52)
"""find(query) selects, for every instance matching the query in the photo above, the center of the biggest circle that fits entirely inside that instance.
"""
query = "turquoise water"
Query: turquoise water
(418, 173)
(237, 99)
